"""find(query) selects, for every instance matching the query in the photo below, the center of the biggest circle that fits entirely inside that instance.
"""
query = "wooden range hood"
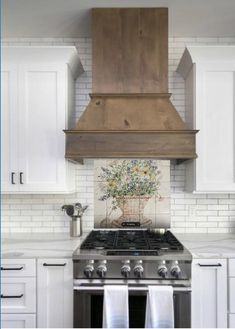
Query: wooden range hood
(130, 114)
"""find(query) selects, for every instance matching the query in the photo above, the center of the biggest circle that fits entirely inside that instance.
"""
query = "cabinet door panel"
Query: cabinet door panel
(232, 295)
(216, 121)
(55, 294)
(231, 267)
(209, 293)
(18, 267)
(42, 120)
(231, 320)
(18, 321)
(9, 128)
(18, 295)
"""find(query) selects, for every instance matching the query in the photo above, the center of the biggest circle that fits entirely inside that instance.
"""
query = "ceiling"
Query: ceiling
(71, 18)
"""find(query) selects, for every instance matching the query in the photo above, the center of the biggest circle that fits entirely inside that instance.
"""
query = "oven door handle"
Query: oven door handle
(130, 288)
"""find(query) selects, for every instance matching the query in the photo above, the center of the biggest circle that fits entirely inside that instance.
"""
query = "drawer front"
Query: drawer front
(231, 267)
(18, 321)
(18, 267)
(231, 320)
(232, 295)
(18, 295)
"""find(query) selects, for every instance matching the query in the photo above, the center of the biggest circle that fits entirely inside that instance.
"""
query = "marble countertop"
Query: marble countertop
(47, 245)
(209, 245)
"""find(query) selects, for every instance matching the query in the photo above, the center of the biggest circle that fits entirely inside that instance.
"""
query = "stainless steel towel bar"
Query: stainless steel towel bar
(130, 288)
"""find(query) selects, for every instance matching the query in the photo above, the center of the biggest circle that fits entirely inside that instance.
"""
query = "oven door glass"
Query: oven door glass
(88, 309)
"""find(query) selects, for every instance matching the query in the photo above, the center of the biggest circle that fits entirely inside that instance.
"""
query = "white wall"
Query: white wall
(190, 213)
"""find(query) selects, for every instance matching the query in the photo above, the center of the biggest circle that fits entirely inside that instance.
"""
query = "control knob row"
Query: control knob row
(138, 269)
(175, 270)
(101, 270)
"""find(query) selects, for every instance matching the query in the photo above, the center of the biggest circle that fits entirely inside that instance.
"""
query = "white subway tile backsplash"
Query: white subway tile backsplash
(218, 230)
(218, 207)
(207, 201)
(191, 213)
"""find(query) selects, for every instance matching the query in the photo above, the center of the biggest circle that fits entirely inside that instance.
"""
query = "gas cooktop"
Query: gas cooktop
(122, 240)
(132, 253)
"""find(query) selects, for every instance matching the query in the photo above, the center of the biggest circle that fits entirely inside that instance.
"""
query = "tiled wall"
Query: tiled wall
(190, 213)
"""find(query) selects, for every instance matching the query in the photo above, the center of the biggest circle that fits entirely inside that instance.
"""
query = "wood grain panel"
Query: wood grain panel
(130, 50)
(161, 145)
(130, 112)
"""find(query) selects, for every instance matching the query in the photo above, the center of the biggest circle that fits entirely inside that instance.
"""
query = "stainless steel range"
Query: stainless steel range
(137, 258)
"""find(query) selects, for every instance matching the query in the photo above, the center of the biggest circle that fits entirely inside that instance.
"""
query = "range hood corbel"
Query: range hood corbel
(130, 114)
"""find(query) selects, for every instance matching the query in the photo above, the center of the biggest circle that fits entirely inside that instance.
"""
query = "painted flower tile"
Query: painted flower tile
(132, 192)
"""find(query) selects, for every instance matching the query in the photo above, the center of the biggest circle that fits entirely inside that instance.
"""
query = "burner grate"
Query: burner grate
(131, 240)
(99, 240)
(166, 241)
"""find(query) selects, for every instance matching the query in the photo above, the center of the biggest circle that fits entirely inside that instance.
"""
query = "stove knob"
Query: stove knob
(89, 270)
(162, 270)
(138, 270)
(126, 269)
(101, 270)
(175, 270)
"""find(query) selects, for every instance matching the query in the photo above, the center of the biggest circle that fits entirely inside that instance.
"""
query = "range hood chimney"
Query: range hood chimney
(130, 114)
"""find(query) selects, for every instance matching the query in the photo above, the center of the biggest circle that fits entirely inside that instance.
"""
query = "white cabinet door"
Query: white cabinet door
(42, 103)
(209, 293)
(215, 115)
(37, 99)
(55, 293)
(9, 128)
(209, 73)
(18, 295)
(18, 321)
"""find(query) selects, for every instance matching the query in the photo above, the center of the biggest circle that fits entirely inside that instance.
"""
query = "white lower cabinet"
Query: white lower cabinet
(231, 320)
(231, 292)
(55, 293)
(18, 321)
(18, 293)
(209, 293)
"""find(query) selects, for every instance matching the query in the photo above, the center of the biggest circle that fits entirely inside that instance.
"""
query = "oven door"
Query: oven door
(88, 305)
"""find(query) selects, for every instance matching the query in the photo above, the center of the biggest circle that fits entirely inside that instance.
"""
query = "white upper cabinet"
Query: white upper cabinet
(37, 104)
(209, 73)
(9, 127)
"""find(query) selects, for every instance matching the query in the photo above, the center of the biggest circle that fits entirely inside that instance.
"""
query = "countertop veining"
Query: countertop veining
(45, 245)
(209, 245)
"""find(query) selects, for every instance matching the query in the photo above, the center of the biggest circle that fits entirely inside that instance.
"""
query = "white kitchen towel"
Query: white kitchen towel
(115, 307)
(159, 307)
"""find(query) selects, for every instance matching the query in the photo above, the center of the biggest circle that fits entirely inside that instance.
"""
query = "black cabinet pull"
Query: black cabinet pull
(12, 178)
(210, 265)
(21, 178)
(45, 264)
(12, 296)
(11, 268)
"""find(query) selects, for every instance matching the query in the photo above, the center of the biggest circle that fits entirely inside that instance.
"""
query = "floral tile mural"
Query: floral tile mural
(132, 192)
